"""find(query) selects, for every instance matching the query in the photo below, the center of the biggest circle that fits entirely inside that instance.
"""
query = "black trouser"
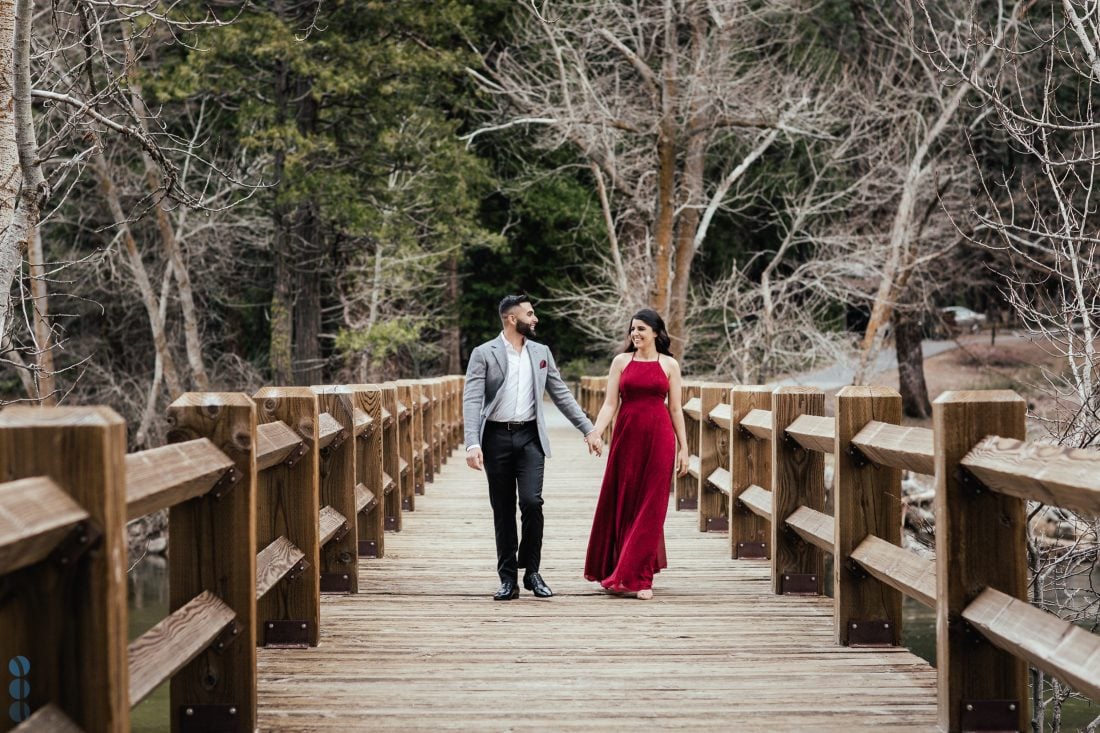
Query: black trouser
(514, 464)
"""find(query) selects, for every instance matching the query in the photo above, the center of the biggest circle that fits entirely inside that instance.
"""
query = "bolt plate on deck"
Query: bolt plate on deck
(406, 505)
(218, 718)
(870, 633)
(687, 504)
(717, 524)
(391, 524)
(799, 584)
(368, 548)
(989, 715)
(287, 633)
(335, 583)
(81, 538)
(752, 550)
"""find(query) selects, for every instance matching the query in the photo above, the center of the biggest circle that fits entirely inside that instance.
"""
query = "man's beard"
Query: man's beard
(523, 328)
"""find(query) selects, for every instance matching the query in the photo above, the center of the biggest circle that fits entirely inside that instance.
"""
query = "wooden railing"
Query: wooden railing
(757, 469)
(272, 500)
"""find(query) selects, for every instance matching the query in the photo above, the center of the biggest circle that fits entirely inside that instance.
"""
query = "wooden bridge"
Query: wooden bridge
(294, 609)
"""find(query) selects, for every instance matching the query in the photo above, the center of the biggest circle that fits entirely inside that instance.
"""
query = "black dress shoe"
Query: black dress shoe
(534, 583)
(507, 591)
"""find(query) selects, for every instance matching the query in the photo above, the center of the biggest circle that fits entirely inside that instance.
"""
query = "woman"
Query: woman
(627, 544)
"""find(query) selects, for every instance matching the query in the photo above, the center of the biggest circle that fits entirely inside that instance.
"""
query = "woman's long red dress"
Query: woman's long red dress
(627, 545)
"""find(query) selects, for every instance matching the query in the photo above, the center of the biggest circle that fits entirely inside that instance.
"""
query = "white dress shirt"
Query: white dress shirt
(517, 394)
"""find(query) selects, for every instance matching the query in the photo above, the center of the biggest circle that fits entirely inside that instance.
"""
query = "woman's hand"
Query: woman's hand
(682, 462)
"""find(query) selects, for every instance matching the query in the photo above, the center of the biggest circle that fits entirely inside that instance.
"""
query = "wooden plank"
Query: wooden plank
(758, 423)
(692, 409)
(159, 478)
(287, 508)
(866, 503)
(1052, 474)
(387, 418)
(339, 557)
(813, 432)
(1054, 645)
(177, 639)
(713, 453)
(80, 658)
(909, 573)
(750, 465)
(387, 484)
(362, 421)
(721, 416)
(35, 515)
(273, 563)
(364, 499)
(813, 526)
(275, 442)
(758, 500)
(212, 547)
(411, 477)
(687, 486)
(329, 523)
(981, 541)
(798, 479)
(721, 480)
(369, 465)
(693, 466)
(909, 449)
(391, 458)
(329, 429)
(47, 719)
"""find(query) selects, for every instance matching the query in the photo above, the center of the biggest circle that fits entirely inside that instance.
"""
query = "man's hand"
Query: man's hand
(594, 443)
(474, 459)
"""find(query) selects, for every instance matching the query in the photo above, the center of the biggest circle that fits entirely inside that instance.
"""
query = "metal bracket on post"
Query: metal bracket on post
(799, 584)
(718, 524)
(227, 636)
(368, 548)
(296, 455)
(871, 633)
(296, 572)
(210, 718)
(335, 583)
(687, 504)
(342, 532)
(419, 488)
(857, 456)
(287, 633)
(81, 538)
(226, 482)
(989, 715)
(752, 550)
(971, 485)
(391, 523)
(406, 505)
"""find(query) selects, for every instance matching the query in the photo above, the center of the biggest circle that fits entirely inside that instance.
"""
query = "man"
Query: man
(506, 436)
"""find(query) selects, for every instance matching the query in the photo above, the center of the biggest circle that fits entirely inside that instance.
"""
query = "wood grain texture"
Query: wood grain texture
(212, 547)
(759, 421)
(909, 573)
(424, 648)
(866, 502)
(338, 485)
(813, 432)
(288, 505)
(407, 449)
(892, 445)
(750, 465)
(1052, 474)
(758, 500)
(721, 415)
(693, 408)
(814, 527)
(35, 515)
(364, 498)
(391, 458)
(427, 419)
(720, 480)
(329, 428)
(47, 719)
(330, 522)
(798, 479)
(162, 477)
(980, 542)
(275, 442)
(1054, 645)
(362, 421)
(687, 487)
(713, 453)
(69, 619)
(369, 466)
(272, 565)
(174, 641)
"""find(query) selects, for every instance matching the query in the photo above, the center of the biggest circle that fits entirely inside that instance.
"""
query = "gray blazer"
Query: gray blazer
(485, 375)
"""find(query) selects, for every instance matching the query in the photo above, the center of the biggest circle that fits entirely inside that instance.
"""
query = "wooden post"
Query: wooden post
(866, 501)
(339, 566)
(981, 541)
(392, 447)
(798, 479)
(427, 418)
(410, 439)
(212, 547)
(368, 470)
(287, 505)
(713, 454)
(439, 419)
(750, 465)
(67, 615)
(687, 486)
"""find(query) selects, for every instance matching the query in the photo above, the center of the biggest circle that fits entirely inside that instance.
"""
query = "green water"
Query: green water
(148, 592)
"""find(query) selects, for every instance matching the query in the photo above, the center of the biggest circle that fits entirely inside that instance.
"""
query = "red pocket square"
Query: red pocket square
(542, 364)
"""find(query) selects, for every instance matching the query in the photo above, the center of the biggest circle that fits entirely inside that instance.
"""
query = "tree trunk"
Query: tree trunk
(43, 334)
(452, 335)
(9, 169)
(666, 177)
(907, 342)
(280, 350)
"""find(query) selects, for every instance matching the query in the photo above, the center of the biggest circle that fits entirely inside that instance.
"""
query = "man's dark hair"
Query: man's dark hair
(511, 301)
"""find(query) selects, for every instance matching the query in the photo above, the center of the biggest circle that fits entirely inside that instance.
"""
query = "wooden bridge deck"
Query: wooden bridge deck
(423, 647)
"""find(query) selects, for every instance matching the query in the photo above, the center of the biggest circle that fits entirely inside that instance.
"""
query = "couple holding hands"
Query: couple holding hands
(505, 434)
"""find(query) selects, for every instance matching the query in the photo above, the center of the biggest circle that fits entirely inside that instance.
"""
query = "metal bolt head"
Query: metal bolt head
(303, 626)
(232, 711)
(189, 711)
(1012, 706)
(969, 707)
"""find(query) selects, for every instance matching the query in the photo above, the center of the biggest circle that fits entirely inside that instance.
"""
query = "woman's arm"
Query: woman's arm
(611, 399)
(676, 412)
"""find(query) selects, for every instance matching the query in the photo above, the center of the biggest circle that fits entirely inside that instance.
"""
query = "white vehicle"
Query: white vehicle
(963, 317)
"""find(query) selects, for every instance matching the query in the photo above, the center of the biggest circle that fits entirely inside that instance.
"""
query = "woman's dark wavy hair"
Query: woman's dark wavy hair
(650, 317)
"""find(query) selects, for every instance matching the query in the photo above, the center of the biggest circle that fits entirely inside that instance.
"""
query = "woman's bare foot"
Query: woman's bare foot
(645, 594)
